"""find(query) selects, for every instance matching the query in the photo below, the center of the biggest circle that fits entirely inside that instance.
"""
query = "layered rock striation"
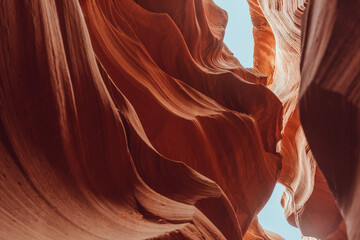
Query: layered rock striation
(133, 120)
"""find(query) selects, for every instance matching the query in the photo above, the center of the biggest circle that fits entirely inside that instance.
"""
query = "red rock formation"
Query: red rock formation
(308, 202)
(329, 99)
(132, 120)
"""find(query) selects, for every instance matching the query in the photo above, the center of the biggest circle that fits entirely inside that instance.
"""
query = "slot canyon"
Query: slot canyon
(132, 119)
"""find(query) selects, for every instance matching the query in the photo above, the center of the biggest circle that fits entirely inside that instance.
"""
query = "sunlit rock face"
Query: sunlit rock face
(307, 200)
(132, 120)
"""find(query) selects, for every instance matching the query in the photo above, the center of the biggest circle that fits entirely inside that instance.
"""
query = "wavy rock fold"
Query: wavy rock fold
(133, 120)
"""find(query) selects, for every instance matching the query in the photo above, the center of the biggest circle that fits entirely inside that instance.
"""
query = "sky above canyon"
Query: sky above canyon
(239, 39)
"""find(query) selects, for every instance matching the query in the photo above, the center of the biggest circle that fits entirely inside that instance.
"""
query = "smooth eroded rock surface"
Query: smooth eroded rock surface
(133, 120)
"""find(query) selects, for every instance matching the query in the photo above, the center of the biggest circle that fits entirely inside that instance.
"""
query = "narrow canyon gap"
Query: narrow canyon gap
(239, 39)
(132, 119)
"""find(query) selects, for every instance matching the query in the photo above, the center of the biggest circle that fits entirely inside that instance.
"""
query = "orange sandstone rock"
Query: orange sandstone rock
(329, 99)
(133, 120)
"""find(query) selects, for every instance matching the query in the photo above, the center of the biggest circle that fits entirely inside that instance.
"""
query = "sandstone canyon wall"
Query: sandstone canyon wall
(125, 119)
(329, 99)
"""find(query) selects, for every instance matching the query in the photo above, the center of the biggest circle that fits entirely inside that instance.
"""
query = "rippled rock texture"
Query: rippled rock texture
(127, 119)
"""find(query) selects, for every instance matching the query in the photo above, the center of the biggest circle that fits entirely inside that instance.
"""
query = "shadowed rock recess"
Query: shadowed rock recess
(131, 119)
